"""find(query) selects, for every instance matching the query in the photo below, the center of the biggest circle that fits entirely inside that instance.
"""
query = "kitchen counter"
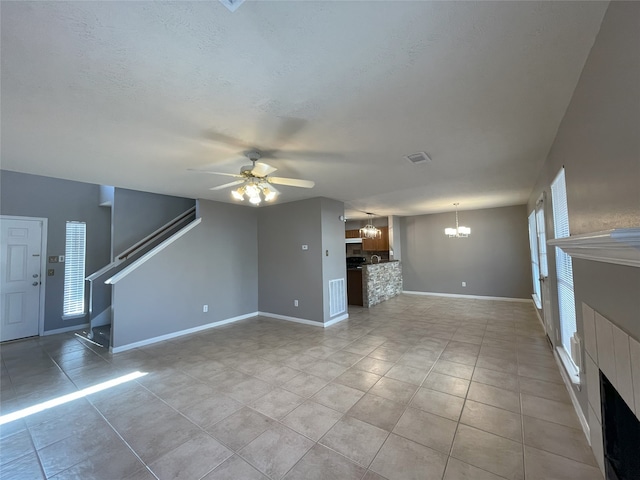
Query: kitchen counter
(380, 282)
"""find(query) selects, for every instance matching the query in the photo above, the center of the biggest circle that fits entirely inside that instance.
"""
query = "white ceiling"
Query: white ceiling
(133, 94)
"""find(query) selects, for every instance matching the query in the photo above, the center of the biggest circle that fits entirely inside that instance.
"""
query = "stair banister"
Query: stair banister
(127, 253)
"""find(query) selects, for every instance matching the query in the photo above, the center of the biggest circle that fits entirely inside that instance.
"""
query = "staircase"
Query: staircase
(99, 332)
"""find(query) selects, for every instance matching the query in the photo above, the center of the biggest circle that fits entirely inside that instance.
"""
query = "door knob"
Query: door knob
(35, 284)
(35, 275)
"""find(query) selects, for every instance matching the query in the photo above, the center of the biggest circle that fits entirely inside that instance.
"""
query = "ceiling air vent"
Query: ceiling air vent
(418, 158)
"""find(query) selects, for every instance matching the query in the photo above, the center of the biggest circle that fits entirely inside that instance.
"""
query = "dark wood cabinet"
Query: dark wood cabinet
(352, 233)
(377, 244)
(354, 287)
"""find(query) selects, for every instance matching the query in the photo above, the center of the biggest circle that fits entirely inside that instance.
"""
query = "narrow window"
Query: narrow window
(542, 240)
(75, 253)
(535, 270)
(564, 268)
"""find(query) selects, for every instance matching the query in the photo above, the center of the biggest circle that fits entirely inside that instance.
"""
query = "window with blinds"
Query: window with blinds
(542, 240)
(75, 254)
(535, 271)
(564, 269)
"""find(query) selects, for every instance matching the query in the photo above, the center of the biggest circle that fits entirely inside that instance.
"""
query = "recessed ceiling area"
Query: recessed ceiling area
(134, 94)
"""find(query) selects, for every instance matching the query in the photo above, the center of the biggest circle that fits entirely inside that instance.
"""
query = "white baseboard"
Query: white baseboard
(473, 297)
(189, 331)
(305, 321)
(544, 328)
(181, 333)
(574, 399)
(336, 320)
(103, 318)
(291, 319)
(65, 329)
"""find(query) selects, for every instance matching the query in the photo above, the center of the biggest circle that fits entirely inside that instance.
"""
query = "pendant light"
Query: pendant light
(369, 231)
(459, 231)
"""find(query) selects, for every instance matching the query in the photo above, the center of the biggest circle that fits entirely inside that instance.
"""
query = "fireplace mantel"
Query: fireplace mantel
(620, 246)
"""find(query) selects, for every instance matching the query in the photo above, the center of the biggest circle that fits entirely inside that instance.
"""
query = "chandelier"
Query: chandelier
(369, 231)
(459, 231)
(256, 190)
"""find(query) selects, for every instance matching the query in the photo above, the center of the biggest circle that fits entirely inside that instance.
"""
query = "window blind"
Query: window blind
(542, 240)
(564, 268)
(75, 253)
(533, 245)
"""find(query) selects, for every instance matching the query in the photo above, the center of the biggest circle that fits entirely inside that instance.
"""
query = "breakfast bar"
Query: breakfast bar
(373, 283)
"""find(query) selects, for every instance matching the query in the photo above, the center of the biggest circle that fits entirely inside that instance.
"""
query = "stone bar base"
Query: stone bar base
(380, 282)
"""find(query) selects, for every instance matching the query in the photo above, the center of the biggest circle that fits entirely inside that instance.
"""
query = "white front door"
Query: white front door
(21, 263)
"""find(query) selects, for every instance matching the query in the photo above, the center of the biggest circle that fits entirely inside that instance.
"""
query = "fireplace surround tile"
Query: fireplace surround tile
(595, 432)
(589, 326)
(593, 386)
(618, 358)
(606, 352)
(634, 349)
(623, 381)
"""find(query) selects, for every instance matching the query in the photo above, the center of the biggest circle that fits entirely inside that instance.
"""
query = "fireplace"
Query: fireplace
(620, 435)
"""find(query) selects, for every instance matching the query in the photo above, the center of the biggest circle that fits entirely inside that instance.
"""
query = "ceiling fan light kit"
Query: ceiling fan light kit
(459, 231)
(256, 183)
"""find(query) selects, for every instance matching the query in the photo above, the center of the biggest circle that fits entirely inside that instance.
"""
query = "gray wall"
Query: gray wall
(333, 258)
(599, 146)
(494, 260)
(286, 272)
(137, 214)
(59, 201)
(213, 264)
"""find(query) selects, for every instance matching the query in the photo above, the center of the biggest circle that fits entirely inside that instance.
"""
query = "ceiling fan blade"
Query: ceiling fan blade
(226, 139)
(226, 185)
(262, 169)
(292, 182)
(286, 153)
(216, 173)
(288, 128)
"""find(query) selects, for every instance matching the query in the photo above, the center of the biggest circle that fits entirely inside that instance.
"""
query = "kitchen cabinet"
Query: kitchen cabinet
(377, 244)
(352, 233)
(354, 287)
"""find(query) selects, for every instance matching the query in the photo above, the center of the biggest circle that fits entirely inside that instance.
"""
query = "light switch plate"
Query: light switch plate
(61, 258)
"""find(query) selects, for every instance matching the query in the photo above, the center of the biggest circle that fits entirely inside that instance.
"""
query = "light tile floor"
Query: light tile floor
(414, 388)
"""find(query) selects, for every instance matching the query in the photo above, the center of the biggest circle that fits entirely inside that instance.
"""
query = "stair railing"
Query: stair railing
(124, 256)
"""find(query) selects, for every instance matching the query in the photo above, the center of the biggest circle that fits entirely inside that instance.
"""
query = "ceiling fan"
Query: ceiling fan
(255, 181)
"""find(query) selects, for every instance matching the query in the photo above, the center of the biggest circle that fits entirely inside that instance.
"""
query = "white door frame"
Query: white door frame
(43, 263)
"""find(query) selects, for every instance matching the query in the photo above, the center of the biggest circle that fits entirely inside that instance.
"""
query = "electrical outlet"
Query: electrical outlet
(205, 308)
(464, 284)
(295, 303)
